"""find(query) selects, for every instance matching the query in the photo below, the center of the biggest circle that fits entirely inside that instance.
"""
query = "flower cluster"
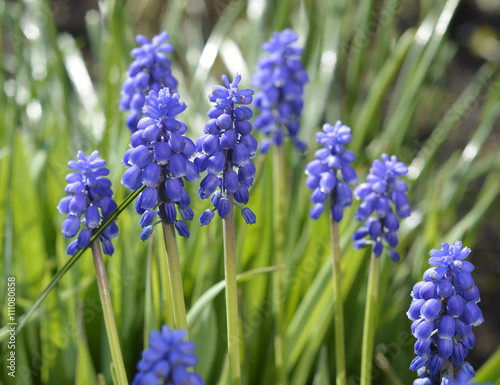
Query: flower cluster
(88, 191)
(444, 310)
(158, 158)
(322, 175)
(227, 142)
(149, 71)
(382, 188)
(280, 77)
(168, 360)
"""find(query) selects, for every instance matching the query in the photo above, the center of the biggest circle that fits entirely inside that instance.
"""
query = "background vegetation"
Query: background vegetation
(389, 69)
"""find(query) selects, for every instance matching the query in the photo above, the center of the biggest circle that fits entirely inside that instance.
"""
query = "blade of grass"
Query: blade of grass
(394, 128)
(204, 301)
(360, 41)
(450, 120)
(490, 370)
(378, 90)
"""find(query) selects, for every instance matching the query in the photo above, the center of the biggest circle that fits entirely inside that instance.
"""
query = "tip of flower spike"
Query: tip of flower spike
(168, 360)
(149, 71)
(280, 40)
(448, 254)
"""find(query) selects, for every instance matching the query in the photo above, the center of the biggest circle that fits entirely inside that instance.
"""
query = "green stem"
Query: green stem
(339, 308)
(370, 319)
(233, 335)
(148, 306)
(174, 273)
(446, 368)
(109, 318)
(278, 278)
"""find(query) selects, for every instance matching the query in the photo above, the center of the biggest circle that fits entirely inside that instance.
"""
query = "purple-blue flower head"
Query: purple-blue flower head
(280, 79)
(158, 158)
(382, 193)
(89, 201)
(443, 311)
(150, 70)
(330, 173)
(226, 150)
(168, 360)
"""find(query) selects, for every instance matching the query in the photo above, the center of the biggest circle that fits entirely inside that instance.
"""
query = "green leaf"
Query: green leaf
(322, 376)
(490, 370)
(204, 301)
(204, 333)
(85, 372)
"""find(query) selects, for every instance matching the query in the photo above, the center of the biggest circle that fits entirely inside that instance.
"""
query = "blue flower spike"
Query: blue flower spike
(226, 145)
(168, 360)
(159, 159)
(150, 70)
(443, 311)
(330, 173)
(89, 201)
(280, 79)
(382, 193)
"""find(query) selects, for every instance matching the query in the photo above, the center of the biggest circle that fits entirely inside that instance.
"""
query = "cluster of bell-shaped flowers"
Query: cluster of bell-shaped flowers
(443, 310)
(159, 158)
(168, 360)
(227, 143)
(380, 190)
(280, 80)
(323, 175)
(90, 196)
(150, 70)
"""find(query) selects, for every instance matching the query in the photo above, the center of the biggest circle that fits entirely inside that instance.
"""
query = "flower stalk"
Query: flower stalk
(228, 144)
(338, 305)
(278, 278)
(233, 337)
(175, 277)
(109, 318)
(370, 320)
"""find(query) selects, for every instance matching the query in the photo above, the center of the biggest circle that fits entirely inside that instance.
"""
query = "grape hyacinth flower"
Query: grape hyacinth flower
(322, 173)
(150, 70)
(227, 143)
(280, 78)
(444, 310)
(382, 188)
(168, 360)
(158, 158)
(90, 196)
(324, 179)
